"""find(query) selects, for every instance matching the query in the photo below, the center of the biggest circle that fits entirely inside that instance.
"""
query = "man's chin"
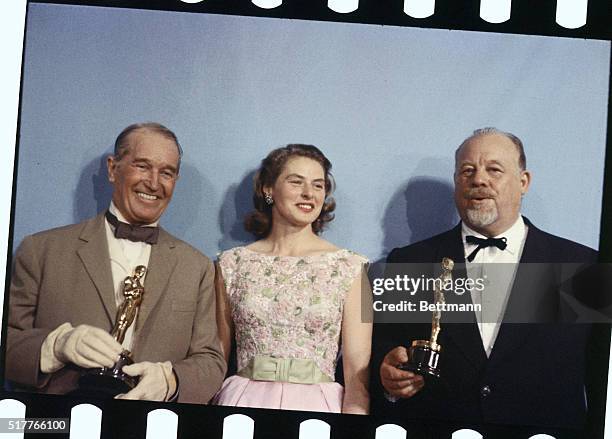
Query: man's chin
(148, 218)
(481, 218)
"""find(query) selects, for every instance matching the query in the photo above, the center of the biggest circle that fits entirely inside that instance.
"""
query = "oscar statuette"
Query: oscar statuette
(424, 354)
(110, 381)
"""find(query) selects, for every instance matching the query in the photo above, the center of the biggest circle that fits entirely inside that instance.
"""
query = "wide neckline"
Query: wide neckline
(294, 257)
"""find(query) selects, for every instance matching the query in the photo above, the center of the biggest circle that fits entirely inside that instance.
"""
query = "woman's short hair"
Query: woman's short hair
(259, 221)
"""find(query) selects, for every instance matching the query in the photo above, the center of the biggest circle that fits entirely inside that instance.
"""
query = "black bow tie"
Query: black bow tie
(132, 233)
(500, 243)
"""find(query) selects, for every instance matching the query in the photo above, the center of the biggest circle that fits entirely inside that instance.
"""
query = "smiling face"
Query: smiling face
(144, 177)
(489, 184)
(298, 193)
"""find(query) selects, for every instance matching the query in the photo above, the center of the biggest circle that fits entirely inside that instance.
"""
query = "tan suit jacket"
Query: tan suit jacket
(64, 275)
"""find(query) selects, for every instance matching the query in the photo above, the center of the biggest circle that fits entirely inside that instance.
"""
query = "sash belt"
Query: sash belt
(289, 370)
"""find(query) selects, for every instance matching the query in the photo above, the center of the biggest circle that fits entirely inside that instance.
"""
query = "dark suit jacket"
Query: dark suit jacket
(535, 372)
(64, 275)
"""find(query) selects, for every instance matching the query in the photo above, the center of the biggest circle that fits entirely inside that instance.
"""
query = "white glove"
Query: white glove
(87, 346)
(157, 381)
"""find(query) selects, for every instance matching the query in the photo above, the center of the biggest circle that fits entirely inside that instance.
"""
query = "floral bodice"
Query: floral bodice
(288, 306)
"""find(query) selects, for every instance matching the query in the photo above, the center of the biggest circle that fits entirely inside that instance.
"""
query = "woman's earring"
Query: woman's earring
(268, 199)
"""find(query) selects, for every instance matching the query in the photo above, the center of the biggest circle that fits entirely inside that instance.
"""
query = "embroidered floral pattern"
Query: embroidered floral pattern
(288, 307)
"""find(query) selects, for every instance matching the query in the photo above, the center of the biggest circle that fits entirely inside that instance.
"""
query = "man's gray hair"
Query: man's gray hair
(122, 145)
(492, 130)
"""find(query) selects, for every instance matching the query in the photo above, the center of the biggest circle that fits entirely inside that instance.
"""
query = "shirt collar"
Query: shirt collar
(515, 235)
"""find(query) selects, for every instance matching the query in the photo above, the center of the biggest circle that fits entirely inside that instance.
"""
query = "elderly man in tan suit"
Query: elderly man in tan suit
(66, 289)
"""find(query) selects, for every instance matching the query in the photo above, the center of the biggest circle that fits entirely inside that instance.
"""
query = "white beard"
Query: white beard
(482, 217)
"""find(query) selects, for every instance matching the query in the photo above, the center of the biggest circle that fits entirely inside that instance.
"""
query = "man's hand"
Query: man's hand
(87, 346)
(399, 383)
(157, 381)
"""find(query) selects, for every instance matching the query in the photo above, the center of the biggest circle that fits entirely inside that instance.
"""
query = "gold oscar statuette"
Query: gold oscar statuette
(423, 355)
(110, 381)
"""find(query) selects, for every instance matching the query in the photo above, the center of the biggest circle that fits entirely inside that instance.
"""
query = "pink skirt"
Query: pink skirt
(237, 391)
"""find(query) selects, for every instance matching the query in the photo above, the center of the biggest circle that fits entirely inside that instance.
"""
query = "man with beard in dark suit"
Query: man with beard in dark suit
(492, 371)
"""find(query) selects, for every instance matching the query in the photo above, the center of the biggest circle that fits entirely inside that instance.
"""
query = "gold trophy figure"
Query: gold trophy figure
(126, 313)
(105, 381)
(423, 355)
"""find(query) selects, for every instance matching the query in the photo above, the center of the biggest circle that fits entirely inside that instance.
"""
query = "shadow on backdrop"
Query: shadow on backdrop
(93, 192)
(190, 203)
(237, 203)
(418, 210)
(422, 208)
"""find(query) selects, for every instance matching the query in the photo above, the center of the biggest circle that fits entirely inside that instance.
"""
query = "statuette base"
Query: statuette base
(424, 357)
(107, 382)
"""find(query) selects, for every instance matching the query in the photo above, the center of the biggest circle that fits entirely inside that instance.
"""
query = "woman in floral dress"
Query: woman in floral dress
(291, 299)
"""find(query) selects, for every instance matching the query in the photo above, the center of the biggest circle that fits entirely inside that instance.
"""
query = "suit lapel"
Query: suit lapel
(465, 336)
(451, 246)
(529, 281)
(95, 258)
(161, 265)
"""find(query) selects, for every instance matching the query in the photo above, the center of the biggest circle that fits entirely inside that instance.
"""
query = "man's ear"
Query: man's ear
(111, 166)
(525, 181)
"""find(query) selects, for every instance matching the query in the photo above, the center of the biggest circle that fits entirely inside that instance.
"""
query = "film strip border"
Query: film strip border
(85, 422)
(565, 18)
(570, 14)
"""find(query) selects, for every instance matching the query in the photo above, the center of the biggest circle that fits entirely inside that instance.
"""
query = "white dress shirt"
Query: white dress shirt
(125, 256)
(498, 279)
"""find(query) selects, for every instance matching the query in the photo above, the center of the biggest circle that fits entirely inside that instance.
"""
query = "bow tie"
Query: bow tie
(132, 233)
(500, 243)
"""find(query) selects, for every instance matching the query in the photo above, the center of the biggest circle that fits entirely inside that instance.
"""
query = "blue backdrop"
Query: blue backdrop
(388, 105)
